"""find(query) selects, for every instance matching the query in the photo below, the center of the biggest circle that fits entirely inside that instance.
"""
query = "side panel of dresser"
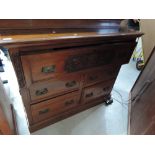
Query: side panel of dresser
(16, 61)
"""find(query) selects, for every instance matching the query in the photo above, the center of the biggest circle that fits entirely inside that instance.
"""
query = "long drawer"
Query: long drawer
(54, 106)
(53, 63)
(101, 74)
(56, 87)
(97, 91)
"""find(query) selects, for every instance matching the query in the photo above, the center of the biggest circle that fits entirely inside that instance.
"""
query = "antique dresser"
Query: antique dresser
(65, 66)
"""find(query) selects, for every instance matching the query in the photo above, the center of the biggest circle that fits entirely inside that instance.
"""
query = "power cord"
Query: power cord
(123, 103)
(121, 96)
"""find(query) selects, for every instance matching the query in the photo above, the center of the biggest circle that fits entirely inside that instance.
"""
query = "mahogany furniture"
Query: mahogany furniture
(65, 66)
(142, 106)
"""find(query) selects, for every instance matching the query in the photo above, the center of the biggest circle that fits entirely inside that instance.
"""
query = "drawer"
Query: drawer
(101, 74)
(53, 63)
(44, 66)
(50, 64)
(97, 91)
(49, 108)
(51, 88)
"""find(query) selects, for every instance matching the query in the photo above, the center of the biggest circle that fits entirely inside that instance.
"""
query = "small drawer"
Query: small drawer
(101, 74)
(49, 108)
(45, 65)
(51, 88)
(97, 91)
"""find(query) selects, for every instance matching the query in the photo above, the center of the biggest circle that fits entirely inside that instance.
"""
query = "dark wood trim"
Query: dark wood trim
(15, 57)
(26, 102)
(30, 26)
(57, 23)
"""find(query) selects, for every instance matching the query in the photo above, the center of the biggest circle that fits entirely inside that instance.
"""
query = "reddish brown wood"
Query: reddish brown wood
(100, 74)
(16, 26)
(57, 23)
(142, 112)
(97, 91)
(67, 60)
(55, 87)
(34, 64)
(66, 39)
(49, 108)
(55, 82)
(63, 59)
(65, 114)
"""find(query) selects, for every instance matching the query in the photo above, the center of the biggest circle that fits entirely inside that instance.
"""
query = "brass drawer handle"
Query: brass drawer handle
(92, 78)
(42, 92)
(48, 69)
(67, 103)
(89, 95)
(70, 84)
(44, 111)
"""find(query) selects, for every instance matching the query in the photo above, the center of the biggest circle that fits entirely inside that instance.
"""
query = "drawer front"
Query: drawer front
(52, 64)
(97, 91)
(41, 66)
(44, 66)
(56, 87)
(101, 74)
(49, 108)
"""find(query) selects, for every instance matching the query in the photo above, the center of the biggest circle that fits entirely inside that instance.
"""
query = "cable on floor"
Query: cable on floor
(123, 103)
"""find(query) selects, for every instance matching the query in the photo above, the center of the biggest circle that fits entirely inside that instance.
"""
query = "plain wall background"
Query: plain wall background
(148, 40)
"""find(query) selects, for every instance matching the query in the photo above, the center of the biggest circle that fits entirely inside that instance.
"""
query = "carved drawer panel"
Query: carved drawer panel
(103, 55)
(101, 74)
(51, 88)
(97, 91)
(48, 108)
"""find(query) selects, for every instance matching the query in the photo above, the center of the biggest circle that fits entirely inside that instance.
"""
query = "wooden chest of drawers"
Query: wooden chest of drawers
(62, 74)
(60, 81)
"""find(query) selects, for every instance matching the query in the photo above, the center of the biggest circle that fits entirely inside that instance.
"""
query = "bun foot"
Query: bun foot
(108, 102)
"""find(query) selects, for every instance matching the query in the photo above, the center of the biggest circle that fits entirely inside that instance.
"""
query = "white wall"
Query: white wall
(148, 27)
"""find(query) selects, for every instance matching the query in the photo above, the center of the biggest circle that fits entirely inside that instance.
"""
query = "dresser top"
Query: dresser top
(56, 37)
(72, 32)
